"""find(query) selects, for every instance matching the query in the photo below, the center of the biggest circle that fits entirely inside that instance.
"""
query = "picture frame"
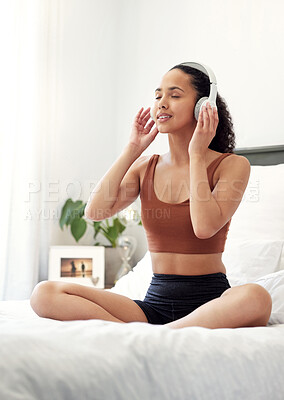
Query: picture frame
(77, 264)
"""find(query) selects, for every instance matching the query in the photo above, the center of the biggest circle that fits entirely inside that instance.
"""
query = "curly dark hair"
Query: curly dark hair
(224, 140)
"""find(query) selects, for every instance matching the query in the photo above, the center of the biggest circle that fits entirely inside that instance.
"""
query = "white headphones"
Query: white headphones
(213, 88)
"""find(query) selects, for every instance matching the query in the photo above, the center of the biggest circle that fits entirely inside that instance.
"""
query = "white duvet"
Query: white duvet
(47, 359)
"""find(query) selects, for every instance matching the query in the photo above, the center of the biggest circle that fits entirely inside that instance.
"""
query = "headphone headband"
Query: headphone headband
(203, 68)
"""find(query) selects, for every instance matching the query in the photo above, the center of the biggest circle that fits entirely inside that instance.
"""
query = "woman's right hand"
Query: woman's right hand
(141, 135)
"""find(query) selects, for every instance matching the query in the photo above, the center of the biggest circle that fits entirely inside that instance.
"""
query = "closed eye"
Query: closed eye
(176, 97)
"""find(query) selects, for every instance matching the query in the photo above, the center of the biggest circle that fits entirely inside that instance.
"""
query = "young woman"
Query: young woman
(188, 198)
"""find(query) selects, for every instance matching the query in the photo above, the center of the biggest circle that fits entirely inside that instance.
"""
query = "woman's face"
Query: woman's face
(177, 98)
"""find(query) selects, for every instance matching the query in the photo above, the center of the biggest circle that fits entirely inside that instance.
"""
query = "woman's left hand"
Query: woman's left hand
(205, 130)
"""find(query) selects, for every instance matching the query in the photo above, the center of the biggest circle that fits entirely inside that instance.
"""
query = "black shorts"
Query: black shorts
(170, 297)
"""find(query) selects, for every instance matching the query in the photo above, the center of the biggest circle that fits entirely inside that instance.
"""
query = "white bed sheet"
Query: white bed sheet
(46, 359)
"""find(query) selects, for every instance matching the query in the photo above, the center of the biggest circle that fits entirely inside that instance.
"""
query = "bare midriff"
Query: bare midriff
(187, 264)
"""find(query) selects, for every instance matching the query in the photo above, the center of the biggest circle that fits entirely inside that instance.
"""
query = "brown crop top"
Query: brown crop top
(168, 226)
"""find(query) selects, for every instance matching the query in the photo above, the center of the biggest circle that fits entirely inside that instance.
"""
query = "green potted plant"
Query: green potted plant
(72, 214)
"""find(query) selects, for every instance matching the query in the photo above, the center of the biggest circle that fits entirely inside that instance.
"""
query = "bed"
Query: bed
(102, 360)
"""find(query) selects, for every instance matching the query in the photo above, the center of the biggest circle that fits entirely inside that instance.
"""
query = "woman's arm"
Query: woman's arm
(109, 189)
(210, 211)
(119, 187)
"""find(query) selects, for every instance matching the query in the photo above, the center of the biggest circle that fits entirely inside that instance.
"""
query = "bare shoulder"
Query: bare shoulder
(236, 161)
(141, 165)
(235, 165)
(142, 160)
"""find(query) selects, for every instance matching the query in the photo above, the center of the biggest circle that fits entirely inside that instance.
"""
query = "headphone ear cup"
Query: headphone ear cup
(198, 106)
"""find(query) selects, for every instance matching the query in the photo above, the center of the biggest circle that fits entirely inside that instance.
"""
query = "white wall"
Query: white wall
(111, 54)
(240, 40)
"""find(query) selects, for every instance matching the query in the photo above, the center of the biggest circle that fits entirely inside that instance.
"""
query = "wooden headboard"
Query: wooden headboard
(266, 155)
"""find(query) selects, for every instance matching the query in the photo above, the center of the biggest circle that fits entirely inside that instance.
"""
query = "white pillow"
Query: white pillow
(260, 214)
(135, 284)
(274, 284)
(261, 211)
(247, 260)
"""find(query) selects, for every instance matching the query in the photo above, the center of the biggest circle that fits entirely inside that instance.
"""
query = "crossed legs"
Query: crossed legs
(70, 301)
(240, 306)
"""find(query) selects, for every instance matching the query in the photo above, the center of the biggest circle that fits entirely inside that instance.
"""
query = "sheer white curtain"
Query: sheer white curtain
(26, 83)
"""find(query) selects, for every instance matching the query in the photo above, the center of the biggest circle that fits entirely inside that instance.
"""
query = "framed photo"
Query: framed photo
(77, 264)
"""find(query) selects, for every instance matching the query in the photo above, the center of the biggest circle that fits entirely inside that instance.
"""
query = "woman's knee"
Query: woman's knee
(42, 296)
(261, 301)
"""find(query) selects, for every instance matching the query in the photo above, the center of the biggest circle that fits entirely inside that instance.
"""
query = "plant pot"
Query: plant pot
(112, 264)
